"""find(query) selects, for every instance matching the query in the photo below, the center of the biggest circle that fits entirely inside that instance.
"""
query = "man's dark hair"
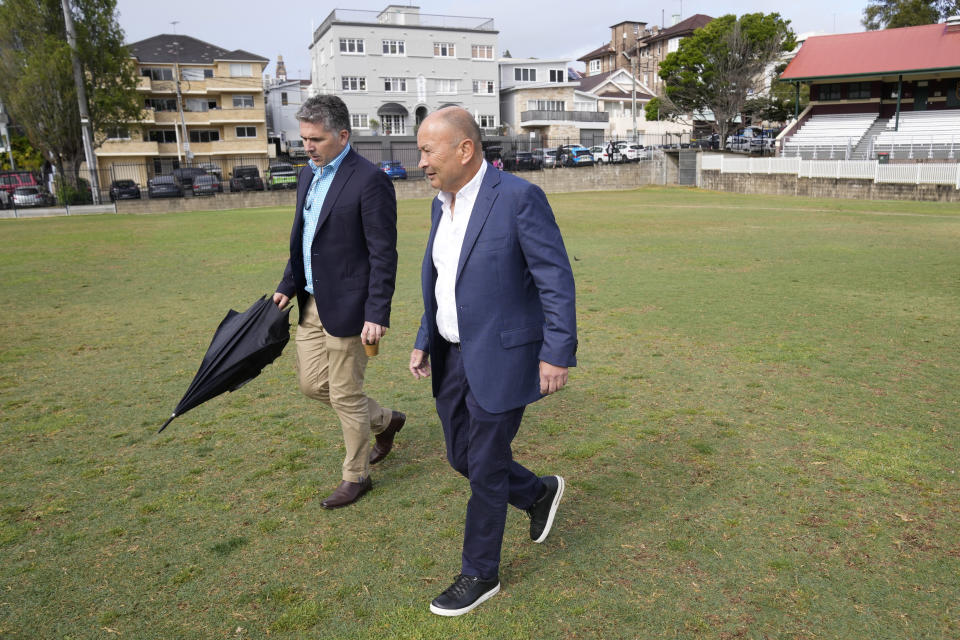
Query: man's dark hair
(327, 110)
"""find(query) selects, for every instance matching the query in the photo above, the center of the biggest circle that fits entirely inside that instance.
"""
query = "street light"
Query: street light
(633, 64)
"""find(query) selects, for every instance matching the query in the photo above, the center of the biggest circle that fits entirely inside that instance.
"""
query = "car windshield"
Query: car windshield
(281, 167)
(124, 183)
(163, 180)
(204, 180)
(245, 172)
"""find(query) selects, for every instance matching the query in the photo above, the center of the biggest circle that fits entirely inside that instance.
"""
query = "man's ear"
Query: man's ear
(467, 150)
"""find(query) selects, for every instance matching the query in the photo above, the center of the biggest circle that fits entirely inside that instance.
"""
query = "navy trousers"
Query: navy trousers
(478, 446)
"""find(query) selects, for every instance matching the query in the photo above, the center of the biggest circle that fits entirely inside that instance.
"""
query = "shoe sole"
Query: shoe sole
(450, 613)
(553, 510)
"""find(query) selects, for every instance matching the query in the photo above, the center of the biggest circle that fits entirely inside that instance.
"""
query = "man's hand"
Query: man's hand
(372, 333)
(280, 300)
(419, 364)
(552, 378)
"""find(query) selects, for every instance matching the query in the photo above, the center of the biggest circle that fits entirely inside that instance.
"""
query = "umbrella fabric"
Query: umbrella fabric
(242, 346)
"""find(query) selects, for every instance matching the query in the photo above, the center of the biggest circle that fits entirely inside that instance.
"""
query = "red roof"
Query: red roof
(910, 49)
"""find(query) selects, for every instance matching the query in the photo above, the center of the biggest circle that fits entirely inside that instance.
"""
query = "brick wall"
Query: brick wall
(791, 185)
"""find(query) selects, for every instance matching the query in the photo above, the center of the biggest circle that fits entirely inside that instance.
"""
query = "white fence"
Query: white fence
(939, 173)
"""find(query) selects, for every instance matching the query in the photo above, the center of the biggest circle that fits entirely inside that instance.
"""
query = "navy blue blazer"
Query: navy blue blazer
(354, 250)
(515, 294)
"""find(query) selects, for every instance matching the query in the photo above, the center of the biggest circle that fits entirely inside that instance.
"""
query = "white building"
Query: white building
(282, 98)
(395, 66)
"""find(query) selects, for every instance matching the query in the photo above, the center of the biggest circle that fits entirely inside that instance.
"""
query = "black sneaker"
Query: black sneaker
(464, 594)
(542, 512)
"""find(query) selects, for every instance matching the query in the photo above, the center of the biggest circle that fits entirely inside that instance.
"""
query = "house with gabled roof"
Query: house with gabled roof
(614, 92)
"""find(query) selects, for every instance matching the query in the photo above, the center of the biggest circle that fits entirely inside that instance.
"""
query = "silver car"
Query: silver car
(30, 197)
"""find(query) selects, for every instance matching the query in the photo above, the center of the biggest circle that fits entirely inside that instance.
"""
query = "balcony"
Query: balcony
(251, 116)
(127, 148)
(251, 84)
(544, 118)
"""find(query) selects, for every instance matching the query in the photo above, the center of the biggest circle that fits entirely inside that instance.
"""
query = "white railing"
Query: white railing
(929, 173)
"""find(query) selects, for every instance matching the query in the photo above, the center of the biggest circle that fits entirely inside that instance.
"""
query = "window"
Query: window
(524, 75)
(830, 92)
(246, 132)
(351, 45)
(584, 106)
(557, 75)
(118, 133)
(163, 136)
(196, 104)
(204, 135)
(859, 90)
(354, 83)
(447, 87)
(192, 73)
(546, 105)
(444, 50)
(673, 44)
(487, 122)
(483, 87)
(394, 48)
(359, 121)
(395, 85)
(161, 104)
(241, 70)
(242, 101)
(207, 73)
(283, 98)
(392, 125)
(157, 73)
(595, 66)
(481, 52)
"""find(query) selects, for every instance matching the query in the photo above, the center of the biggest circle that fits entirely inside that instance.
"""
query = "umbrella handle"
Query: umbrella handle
(169, 420)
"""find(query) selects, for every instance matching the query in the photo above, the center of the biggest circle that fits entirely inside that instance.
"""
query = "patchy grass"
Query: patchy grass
(760, 439)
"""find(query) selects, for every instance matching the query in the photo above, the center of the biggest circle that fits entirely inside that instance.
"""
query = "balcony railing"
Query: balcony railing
(402, 16)
(564, 116)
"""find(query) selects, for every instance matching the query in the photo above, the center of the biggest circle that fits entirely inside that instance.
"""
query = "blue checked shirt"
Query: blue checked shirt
(322, 178)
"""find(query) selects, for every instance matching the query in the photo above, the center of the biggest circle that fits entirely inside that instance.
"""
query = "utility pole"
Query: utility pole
(633, 65)
(183, 125)
(85, 125)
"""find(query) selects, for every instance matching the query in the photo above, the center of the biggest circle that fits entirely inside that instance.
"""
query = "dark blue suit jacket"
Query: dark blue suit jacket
(515, 294)
(354, 250)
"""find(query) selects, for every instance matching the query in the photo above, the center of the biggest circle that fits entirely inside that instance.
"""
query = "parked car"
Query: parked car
(600, 155)
(31, 197)
(766, 142)
(546, 157)
(124, 190)
(281, 176)
(630, 151)
(5, 199)
(521, 161)
(11, 180)
(164, 187)
(207, 185)
(740, 141)
(393, 169)
(186, 176)
(579, 158)
(246, 178)
(212, 168)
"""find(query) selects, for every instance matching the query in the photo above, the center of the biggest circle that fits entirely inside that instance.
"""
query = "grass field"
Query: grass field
(761, 439)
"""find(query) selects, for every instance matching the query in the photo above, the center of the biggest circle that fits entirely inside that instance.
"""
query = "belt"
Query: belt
(454, 345)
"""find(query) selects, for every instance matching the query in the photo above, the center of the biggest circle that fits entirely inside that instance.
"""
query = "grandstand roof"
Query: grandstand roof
(891, 51)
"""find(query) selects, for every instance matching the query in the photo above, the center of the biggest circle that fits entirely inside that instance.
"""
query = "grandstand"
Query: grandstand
(894, 92)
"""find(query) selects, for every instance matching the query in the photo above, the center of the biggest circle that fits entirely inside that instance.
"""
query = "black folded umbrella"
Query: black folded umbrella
(242, 346)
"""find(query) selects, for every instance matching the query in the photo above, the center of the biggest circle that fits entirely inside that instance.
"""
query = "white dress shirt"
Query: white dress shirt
(447, 245)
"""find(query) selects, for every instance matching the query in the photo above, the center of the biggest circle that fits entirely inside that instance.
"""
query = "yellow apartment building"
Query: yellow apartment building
(202, 106)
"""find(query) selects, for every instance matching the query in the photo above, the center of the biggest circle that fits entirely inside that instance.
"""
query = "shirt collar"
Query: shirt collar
(331, 166)
(468, 190)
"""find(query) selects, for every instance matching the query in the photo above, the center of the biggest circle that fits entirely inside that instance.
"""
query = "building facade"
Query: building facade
(396, 66)
(202, 104)
(283, 97)
(537, 98)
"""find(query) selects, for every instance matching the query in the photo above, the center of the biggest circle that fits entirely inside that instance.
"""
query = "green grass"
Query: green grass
(761, 439)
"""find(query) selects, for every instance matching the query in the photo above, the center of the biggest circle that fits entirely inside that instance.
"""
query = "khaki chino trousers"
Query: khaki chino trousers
(331, 370)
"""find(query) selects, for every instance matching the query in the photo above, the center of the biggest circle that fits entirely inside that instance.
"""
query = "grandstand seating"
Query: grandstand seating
(832, 135)
(921, 134)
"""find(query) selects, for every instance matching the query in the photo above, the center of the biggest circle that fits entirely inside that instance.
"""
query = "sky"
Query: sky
(533, 29)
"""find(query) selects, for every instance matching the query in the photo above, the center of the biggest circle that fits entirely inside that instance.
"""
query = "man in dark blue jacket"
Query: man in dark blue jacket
(342, 269)
(499, 324)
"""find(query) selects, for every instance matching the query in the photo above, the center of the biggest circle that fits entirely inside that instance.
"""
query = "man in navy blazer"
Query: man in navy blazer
(499, 325)
(342, 269)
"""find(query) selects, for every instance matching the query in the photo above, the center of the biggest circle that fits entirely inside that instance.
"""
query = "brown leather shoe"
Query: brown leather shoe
(385, 438)
(347, 493)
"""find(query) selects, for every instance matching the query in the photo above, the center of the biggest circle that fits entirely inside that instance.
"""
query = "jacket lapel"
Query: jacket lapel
(482, 206)
(344, 171)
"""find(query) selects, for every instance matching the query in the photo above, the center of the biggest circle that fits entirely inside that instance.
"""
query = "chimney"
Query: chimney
(281, 70)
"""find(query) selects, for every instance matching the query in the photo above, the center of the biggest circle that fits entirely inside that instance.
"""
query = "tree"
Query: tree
(892, 14)
(24, 156)
(36, 75)
(721, 65)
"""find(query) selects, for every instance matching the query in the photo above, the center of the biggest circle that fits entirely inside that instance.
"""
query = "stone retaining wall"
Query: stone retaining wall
(792, 185)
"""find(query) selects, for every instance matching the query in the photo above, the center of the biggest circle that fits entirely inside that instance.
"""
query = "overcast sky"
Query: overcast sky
(535, 28)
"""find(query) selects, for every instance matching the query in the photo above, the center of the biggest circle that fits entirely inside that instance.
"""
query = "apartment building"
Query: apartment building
(537, 97)
(202, 104)
(283, 97)
(394, 67)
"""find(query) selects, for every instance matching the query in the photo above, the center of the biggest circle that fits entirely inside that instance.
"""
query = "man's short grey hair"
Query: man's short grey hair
(326, 110)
